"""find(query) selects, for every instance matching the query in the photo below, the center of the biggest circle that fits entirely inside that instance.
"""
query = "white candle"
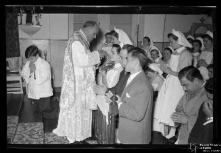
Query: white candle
(138, 19)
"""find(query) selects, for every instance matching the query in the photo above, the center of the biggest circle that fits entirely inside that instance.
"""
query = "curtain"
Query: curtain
(12, 37)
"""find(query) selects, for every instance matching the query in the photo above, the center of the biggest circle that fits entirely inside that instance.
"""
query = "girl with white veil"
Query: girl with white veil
(147, 45)
(171, 90)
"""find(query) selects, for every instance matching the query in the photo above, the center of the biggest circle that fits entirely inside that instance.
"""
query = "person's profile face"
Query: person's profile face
(108, 39)
(207, 43)
(189, 86)
(115, 56)
(166, 54)
(131, 63)
(123, 55)
(196, 47)
(173, 43)
(92, 33)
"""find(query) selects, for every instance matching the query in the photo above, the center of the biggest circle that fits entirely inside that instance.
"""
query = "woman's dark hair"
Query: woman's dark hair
(32, 51)
(210, 66)
(118, 48)
(209, 86)
(173, 36)
(147, 38)
(114, 33)
(140, 54)
(154, 50)
(168, 48)
(191, 73)
(128, 47)
(106, 34)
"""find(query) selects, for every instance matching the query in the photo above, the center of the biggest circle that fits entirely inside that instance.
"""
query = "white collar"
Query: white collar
(134, 74)
(131, 77)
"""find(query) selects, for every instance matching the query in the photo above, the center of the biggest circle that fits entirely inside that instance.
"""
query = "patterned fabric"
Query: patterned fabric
(12, 39)
(12, 122)
(75, 117)
(51, 138)
(29, 133)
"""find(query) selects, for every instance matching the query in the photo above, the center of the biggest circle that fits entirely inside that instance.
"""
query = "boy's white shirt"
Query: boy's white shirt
(38, 84)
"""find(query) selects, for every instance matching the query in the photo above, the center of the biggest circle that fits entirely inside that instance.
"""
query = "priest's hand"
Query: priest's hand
(99, 89)
(102, 53)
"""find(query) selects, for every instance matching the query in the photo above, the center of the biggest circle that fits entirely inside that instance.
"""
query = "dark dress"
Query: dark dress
(118, 89)
(201, 134)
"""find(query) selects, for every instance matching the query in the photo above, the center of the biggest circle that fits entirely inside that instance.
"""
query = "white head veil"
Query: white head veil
(155, 48)
(190, 36)
(123, 37)
(151, 41)
(201, 40)
(181, 39)
(209, 33)
(170, 48)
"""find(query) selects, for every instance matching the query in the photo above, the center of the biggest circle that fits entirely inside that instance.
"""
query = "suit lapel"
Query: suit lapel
(131, 83)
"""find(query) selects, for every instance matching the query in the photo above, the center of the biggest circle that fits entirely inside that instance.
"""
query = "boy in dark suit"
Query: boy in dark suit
(135, 103)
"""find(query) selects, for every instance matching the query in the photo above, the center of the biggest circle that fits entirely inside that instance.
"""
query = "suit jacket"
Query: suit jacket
(196, 135)
(190, 108)
(135, 113)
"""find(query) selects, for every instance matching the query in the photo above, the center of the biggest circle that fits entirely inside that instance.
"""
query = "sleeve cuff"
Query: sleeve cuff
(119, 104)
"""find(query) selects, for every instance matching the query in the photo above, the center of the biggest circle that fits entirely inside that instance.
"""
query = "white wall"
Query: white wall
(57, 28)
(153, 27)
(51, 38)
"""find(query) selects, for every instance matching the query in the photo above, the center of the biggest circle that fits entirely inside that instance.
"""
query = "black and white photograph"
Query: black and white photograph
(110, 75)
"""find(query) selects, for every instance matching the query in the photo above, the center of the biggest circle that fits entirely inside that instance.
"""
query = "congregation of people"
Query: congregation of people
(163, 96)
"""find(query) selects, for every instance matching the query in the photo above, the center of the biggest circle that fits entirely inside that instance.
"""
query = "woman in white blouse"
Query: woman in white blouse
(110, 77)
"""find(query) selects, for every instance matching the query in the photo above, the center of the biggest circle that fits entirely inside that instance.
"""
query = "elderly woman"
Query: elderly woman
(147, 45)
(188, 107)
(206, 57)
(197, 49)
(171, 90)
(207, 53)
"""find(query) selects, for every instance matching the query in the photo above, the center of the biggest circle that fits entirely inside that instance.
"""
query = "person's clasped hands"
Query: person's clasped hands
(32, 67)
(179, 118)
